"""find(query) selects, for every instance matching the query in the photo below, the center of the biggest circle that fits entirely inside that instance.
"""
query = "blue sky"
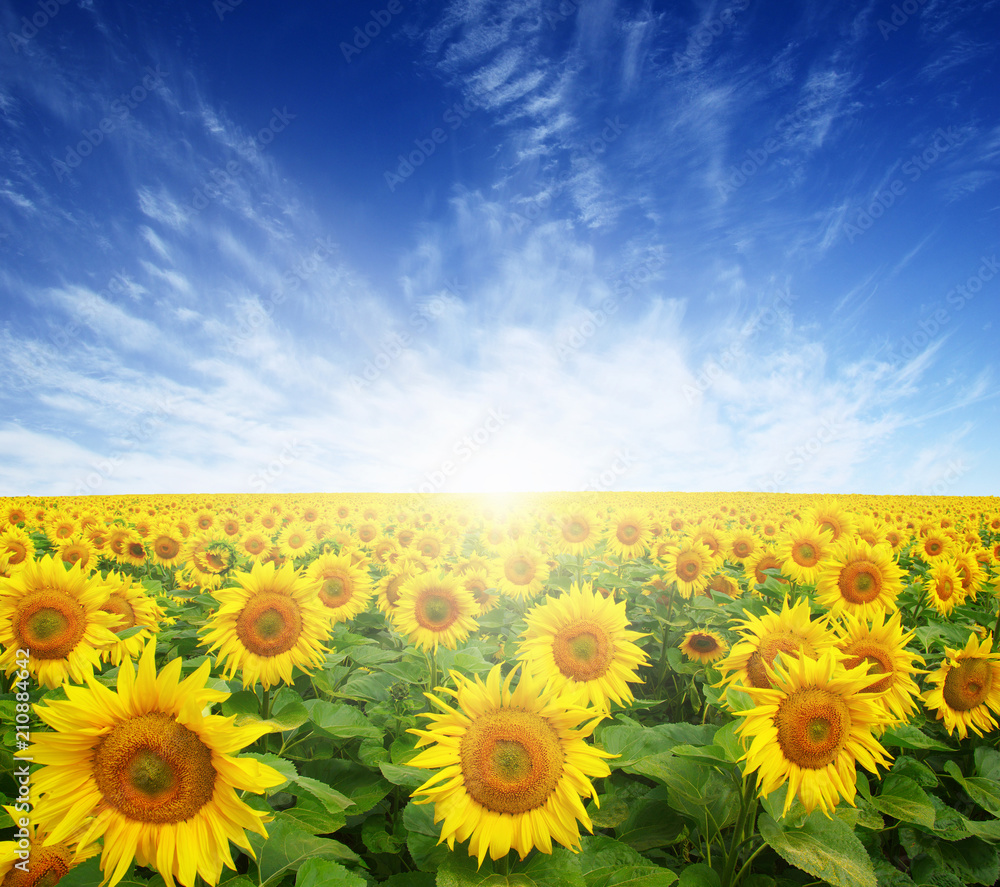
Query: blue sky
(474, 245)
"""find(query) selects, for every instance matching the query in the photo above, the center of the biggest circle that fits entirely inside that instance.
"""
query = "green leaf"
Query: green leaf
(699, 875)
(987, 763)
(287, 847)
(341, 721)
(635, 742)
(422, 836)
(324, 873)
(902, 798)
(697, 790)
(916, 770)
(825, 848)
(407, 777)
(363, 786)
(313, 817)
(713, 755)
(333, 800)
(561, 868)
(890, 876)
(606, 862)
(377, 839)
(410, 879)
(285, 768)
(908, 736)
(652, 822)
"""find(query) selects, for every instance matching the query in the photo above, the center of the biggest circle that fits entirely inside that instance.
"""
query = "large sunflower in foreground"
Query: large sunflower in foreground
(812, 729)
(272, 621)
(515, 764)
(435, 608)
(967, 694)
(157, 775)
(582, 644)
(55, 611)
(859, 578)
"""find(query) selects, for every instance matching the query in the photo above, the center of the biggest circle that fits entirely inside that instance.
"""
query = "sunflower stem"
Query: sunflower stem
(433, 665)
(738, 832)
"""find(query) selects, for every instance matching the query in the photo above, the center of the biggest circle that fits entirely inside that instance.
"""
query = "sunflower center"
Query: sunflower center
(269, 624)
(511, 760)
(968, 684)
(153, 769)
(945, 588)
(769, 647)
(741, 548)
(519, 570)
(435, 610)
(688, 567)
(805, 555)
(627, 533)
(860, 582)
(118, 605)
(879, 662)
(575, 531)
(47, 866)
(582, 651)
(136, 549)
(813, 724)
(50, 623)
(335, 591)
(704, 643)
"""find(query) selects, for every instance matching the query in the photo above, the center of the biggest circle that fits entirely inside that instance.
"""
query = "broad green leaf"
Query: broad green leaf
(635, 742)
(605, 862)
(652, 822)
(285, 768)
(372, 688)
(333, 800)
(422, 836)
(287, 847)
(916, 770)
(825, 848)
(890, 876)
(363, 786)
(699, 875)
(908, 736)
(377, 839)
(695, 789)
(987, 763)
(408, 777)
(324, 873)
(987, 829)
(903, 799)
(410, 879)
(313, 817)
(561, 868)
(341, 721)
(713, 755)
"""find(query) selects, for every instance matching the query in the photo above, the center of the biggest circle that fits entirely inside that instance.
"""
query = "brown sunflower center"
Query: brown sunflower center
(118, 605)
(46, 867)
(813, 725)
(153, 769)
(804, 554)
(769, 647)
(519, 570)
(968, 684)
(575, 530)
(50, 623)
(879, 661)
(688, 567)
(335, 590)
(704, 643)
(436, 609)
(269, 624)
(627, 533)
(582, 651)
(945, 588)
(16, 551)
(511, 760)
(860, 582)
(136, 549)
(742, 548)
(366, 533)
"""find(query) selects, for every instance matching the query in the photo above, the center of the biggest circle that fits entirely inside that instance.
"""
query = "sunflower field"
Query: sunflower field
(584, 689)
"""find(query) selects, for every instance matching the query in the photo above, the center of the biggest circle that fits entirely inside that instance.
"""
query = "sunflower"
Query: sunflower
(270, 623)
(37, 860)
(703, 646)
(582, 644)
(433, 609)
(688, 566)
(762, 559)
(968, 688)
(207, 559)
(522, 571)
(515, 764)
(54, 610)
(129, 601)
(154, 771)
(165, 545)
(76, 551)
(724, 584)
(389, 585)
(577, 532)
(791, 632)
(628, 535)
(943, 586)
(254, 545)
(859, 578)
(740, 545)
(811, 729)
(343, 587)
(830, 515)
(17, 544)
(801, 547)
(933, 545)
(882, 645)
(478, 581)
(295, 539)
